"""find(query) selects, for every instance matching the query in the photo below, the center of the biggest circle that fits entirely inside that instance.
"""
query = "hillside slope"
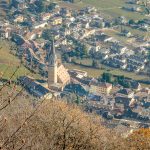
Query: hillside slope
(52, 125)
(9, 63)
(55, 125)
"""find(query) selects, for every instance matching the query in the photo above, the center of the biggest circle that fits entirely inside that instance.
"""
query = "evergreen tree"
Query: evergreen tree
(77, 101)
(107, 77)
(65, 57)
(84, 51)
(95, 64)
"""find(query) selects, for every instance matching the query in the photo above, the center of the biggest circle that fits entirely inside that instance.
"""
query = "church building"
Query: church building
(58, 76)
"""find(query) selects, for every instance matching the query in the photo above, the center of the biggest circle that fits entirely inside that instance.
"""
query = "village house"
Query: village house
(126, 33)
(110, 39)
(37, 33)
(65, 31)
(142, 112)
(139, 58)
(46, 16)
(96, 47)
(99, 88)
(85, 24)
(35, 88)
(116, 63)
(126, 93)
(56, 21)
(116, 88)
(118, 49)
(88, 32)
(31, 36)
(138, 9)
(124, 98)
(79, 72)
(143, 97)
(123, 102)
(134, 2)
(100, 36)
(135, 85)
(65, 12)
(40, 25)
(19, 18)
(20, 4)
(4, 33)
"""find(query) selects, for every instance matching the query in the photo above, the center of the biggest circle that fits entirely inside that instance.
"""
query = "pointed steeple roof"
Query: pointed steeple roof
(52, 54)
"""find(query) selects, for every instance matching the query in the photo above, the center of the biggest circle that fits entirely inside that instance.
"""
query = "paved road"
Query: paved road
(110, 8)
(131, 121)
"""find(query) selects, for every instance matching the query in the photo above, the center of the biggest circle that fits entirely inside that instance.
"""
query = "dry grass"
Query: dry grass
(9, 63)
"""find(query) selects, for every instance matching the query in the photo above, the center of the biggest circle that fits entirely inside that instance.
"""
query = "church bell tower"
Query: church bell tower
(52, 66)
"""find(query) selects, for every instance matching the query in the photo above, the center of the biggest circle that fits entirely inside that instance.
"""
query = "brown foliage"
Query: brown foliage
(54, 126)
(139, 139)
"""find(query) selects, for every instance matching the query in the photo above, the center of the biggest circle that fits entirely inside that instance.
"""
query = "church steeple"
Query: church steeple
(52, 55)
(52, 66)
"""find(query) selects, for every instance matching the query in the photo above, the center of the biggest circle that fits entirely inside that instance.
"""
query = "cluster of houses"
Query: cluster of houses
(69, 27)
(137, 6)
(114, 99)
(61, 23)
(35, 88)
(113, 53)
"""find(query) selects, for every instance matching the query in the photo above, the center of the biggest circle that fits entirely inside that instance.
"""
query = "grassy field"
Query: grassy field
(9, 63)
(5, 56)
(135, 31)
(110, 7)
(124, 40)
(98, 72)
